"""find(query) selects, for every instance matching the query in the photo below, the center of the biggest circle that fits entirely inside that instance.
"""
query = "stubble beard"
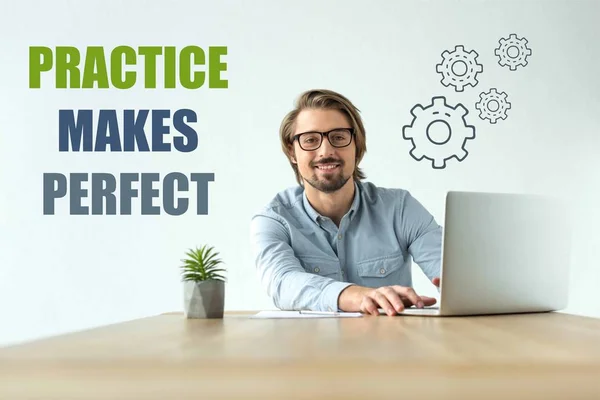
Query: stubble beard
(329, 184)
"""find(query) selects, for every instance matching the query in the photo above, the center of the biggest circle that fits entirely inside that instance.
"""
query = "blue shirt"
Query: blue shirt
(304, 260)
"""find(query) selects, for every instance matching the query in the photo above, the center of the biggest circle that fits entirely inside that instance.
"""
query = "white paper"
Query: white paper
(305, 314)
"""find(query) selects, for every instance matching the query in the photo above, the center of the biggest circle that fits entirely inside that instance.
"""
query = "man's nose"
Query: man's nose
(326, 148)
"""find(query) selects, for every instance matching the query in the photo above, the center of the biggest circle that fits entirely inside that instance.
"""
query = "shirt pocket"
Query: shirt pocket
(380, 267)
(320, 266)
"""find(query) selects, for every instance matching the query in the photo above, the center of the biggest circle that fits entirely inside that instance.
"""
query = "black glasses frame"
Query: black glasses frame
(326, 134)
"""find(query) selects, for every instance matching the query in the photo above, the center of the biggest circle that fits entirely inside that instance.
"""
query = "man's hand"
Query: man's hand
(392, 299)
(436, 282)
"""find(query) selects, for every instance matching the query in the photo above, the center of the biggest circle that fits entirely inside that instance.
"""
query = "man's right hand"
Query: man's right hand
(392, 299)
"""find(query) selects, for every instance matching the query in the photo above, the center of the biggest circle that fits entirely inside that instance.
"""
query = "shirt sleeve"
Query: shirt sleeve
(281, 274)
(423, 235)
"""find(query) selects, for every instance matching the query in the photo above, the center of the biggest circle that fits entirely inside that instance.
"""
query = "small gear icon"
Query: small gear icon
(459, 68)
(512, 52)
(492, 105)
(438, 132)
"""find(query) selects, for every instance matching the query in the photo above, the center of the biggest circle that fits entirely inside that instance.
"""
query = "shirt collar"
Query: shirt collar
(356, 201)
(315, 216)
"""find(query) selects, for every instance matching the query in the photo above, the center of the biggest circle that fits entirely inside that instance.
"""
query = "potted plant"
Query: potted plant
(204, 286)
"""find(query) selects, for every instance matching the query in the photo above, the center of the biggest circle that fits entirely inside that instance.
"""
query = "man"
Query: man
(335, 242)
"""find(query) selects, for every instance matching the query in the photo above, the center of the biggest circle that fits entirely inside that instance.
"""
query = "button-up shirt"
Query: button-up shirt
(304, 260)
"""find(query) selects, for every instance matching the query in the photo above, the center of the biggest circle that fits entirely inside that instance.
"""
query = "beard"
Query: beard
(329, 183)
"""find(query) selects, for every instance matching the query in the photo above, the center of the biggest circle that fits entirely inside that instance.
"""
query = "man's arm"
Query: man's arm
(423, 236)
(282, 275)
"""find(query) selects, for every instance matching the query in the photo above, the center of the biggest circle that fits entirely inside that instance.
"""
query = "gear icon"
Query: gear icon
(512, 52)
(492, 105)
(438, 132)
(459, 68)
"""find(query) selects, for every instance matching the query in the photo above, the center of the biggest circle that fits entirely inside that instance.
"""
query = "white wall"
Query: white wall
(62, 273)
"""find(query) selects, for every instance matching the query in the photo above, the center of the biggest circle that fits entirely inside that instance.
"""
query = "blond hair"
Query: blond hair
(326, 100)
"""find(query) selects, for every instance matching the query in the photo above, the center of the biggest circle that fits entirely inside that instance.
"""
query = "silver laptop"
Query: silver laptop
(502, 254)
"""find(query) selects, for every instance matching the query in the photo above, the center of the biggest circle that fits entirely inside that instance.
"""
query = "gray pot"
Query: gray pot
(204, 299)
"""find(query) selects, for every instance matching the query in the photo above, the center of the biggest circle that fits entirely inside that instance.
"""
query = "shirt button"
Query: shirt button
(382, 271)
(339, 236)
(317, 269)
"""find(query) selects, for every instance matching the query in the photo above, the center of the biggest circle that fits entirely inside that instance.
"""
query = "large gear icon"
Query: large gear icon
(459, 68)
(513, 52)
(438, 132)
(492, 105)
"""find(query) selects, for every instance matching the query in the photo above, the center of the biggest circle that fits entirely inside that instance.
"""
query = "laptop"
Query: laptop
(502, 253)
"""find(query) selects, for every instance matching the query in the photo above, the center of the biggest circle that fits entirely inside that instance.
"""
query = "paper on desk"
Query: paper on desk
(300, 314)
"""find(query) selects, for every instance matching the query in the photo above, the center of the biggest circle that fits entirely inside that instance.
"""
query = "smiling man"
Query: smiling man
(335, 242)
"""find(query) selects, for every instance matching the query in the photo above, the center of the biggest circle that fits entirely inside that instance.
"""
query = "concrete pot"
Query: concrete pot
(204, 299)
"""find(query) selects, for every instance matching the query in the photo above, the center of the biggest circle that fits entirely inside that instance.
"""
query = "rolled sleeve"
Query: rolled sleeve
(281, 274)
(331, 295)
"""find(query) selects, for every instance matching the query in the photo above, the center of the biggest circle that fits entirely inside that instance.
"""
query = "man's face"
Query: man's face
(327, 168)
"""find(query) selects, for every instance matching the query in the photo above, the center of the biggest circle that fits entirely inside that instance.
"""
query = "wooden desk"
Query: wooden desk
(541, 356)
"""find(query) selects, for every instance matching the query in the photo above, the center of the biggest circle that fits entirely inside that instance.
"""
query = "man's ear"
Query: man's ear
(292, 154)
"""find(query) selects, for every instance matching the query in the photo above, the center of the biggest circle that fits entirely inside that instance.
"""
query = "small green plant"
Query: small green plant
(202, 264)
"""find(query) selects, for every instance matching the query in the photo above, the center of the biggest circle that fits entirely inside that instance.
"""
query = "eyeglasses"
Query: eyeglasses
(339, 137)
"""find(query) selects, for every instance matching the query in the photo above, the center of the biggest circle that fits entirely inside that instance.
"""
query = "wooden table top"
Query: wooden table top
(545, 356)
